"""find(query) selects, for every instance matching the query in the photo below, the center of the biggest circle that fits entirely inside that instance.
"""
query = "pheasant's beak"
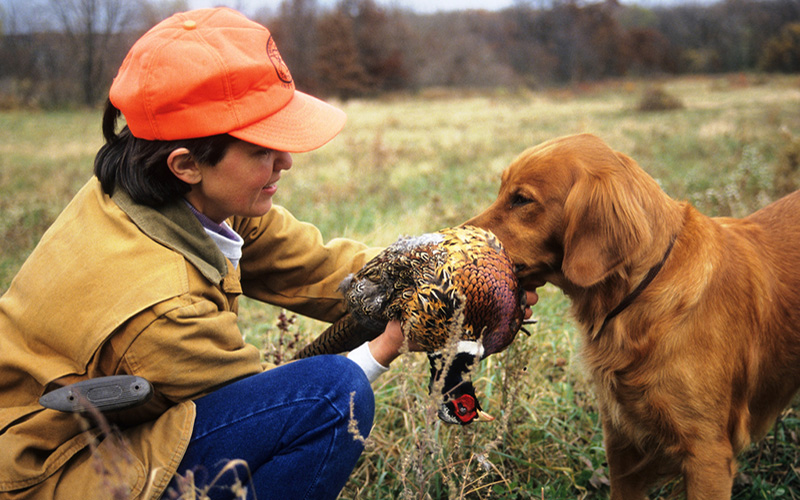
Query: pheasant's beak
(484, 417)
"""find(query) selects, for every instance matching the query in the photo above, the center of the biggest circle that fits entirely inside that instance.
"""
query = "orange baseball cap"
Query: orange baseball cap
(213, 71)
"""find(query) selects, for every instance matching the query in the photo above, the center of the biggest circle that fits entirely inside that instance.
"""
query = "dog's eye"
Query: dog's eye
(519, 200)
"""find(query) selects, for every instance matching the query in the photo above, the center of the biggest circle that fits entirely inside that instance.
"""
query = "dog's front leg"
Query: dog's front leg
(629, 473)
(709, 471)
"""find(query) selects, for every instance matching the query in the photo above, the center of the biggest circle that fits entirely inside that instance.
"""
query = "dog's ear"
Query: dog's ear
(606, 221)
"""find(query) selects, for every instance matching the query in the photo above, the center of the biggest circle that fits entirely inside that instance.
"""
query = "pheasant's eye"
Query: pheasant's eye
(519, 200)
(464, 407)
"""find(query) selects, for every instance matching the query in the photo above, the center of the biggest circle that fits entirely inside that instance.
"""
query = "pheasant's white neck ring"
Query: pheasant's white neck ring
(470, 347)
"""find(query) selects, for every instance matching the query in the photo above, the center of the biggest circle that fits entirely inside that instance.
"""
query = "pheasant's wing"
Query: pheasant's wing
(380, 289)
(374, 296)
(344, 335)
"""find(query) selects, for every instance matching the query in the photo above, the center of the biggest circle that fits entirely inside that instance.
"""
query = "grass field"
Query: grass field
(411, 164)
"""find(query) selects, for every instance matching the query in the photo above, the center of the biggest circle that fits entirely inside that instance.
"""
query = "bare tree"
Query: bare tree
(380, 38)
(154, 11)
(89, 26)
(295, 32)
(338, 65)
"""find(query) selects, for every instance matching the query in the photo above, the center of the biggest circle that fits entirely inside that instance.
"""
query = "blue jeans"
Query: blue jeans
(289, 424)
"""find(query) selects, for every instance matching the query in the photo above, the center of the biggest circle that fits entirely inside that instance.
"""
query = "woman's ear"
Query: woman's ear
(183, 166)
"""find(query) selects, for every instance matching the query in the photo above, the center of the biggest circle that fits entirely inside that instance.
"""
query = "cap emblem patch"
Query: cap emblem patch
(277, 62)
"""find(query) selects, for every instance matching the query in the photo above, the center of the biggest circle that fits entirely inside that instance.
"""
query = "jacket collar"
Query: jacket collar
(175, 226)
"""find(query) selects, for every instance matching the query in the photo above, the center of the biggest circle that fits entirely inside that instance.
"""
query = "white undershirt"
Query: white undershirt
(362, 356)
(230, 246)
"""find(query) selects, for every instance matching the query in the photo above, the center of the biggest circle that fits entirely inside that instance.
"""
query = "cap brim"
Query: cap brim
(304, 124)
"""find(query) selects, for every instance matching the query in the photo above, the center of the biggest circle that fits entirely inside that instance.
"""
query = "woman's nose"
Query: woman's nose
(283, 161)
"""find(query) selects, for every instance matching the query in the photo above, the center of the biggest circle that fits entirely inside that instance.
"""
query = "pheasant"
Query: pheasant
(453, 287)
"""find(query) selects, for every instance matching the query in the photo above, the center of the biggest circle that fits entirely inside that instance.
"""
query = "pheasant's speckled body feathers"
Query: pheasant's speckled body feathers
(455, 281)
(385, 285)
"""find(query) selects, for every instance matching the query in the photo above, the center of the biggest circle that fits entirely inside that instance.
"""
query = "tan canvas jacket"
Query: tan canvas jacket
(118, 288)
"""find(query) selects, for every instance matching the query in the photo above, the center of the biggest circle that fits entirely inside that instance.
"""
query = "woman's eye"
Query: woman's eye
(519, 200)
(263, 152)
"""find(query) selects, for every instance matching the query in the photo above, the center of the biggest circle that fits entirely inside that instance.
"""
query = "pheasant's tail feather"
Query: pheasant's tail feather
(344, 335)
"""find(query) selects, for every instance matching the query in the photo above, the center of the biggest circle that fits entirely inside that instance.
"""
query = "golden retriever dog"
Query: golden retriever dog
(690, 324)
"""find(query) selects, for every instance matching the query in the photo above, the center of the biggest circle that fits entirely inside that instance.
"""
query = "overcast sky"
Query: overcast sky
(251, 7)
(422, 6)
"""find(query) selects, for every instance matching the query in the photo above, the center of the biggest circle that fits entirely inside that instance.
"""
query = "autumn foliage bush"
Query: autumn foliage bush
(782, 52)
(658, 99)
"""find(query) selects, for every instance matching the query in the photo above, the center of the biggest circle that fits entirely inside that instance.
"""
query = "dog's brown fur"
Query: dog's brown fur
(705, 359)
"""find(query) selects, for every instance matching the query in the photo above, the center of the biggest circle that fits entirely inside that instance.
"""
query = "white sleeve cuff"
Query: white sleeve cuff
(363, 358)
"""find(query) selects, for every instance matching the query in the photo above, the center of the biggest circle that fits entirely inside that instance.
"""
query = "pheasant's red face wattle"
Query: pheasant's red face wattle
(465, 408)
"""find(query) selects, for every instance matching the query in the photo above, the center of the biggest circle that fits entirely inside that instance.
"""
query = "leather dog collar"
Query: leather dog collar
(628, 300)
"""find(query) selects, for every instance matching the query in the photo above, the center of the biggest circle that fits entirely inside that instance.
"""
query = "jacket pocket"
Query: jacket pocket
(107, 470)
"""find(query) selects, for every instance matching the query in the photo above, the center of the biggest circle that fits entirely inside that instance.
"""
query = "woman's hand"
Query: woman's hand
(387, 346)
(531, 298)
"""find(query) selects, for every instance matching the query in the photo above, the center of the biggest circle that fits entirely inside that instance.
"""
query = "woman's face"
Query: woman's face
(242, 183)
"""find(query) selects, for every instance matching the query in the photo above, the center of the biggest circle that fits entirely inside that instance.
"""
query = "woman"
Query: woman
(141, 272)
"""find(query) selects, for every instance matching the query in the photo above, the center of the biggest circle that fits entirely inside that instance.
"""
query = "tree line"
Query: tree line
(67, 51)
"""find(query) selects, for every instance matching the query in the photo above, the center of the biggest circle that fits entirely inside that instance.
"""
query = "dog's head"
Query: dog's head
(572, 211)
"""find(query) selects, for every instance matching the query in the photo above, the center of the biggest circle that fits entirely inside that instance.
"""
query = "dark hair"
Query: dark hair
(140, 166)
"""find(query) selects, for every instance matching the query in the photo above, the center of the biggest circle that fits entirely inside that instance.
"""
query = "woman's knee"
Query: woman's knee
(356, 390)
